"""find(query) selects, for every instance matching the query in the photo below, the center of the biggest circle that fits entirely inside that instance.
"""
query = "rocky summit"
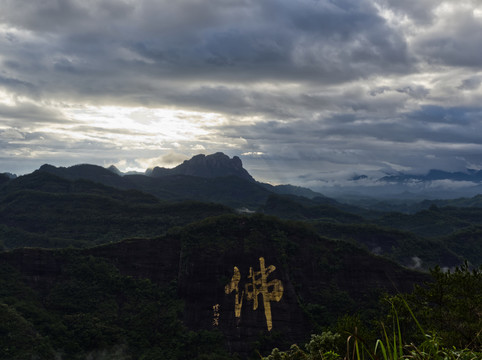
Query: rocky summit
(207, 166)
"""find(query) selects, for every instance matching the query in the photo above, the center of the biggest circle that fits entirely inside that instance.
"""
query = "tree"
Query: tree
(450, 306)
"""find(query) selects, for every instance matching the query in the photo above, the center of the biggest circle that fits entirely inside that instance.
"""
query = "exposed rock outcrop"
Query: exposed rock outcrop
(210, 166)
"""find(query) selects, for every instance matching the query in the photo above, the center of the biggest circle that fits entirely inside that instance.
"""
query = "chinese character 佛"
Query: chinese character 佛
(258, 284)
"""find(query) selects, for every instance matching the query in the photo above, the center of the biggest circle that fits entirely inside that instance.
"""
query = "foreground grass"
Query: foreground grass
(322, 347)
(439, 321)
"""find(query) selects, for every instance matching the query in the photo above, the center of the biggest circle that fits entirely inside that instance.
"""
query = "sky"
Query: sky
(308, 92)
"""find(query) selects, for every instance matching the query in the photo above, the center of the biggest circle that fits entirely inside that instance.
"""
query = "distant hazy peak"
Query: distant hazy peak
(115, 170)
(9, 175)
(434, 174)
(47, 167)
(76, 169)
(90, 172)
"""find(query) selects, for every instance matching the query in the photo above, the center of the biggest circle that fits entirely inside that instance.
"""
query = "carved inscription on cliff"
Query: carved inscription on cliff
(257, 285)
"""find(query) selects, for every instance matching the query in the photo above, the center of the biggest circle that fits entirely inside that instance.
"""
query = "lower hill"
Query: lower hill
(300, 208)
(467, 243)
(403, 247)
(225, 287)
(43, 210)
(433, 222)
(230, 190)
(212, 178)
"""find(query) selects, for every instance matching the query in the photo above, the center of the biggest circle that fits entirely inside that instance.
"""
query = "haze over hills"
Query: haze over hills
(433, 175)
(434, 185)
(404, 192)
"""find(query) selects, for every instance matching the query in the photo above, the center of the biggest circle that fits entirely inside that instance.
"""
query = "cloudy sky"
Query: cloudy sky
(303, 91)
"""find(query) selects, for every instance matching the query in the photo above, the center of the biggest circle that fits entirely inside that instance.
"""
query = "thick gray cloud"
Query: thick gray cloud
(323, 89)
(84, 47)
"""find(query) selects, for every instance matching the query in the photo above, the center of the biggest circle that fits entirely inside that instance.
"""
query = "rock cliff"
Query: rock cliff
(210, 166)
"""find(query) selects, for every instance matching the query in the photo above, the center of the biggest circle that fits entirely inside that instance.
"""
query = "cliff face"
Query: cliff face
(245, 293)
(245, 276)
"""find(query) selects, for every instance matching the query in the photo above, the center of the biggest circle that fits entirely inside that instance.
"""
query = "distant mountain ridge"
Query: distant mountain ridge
(414, 187)
(208, 178)
(221, 179)
(434, 174)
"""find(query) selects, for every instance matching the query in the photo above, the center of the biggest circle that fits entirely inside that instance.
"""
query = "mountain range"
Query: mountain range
(60, 207)
(218, 178)
(359, 189)
(96, 262)
(470, 175)
(401, 186)
(215, 178)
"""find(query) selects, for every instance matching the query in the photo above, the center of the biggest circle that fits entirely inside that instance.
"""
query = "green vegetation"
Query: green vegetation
(93, 311)
(466, 243)
(44, 210)
(81, 304)
(78, 302)
(451, 306)
(433, 222)
(434, 236)
(87, 308)
(79, 213)
(298, 208)
(440, 321)
(400, 246)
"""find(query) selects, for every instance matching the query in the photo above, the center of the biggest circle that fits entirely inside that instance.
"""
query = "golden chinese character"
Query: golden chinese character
(216, 315)
(233, 286)
(259, 285)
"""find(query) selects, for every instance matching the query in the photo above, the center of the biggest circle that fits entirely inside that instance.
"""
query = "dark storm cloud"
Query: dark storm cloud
(417, 92)
(18, 85)
(93, 45)
(471, 83)
(24, 114)
(432, 125)
(442, 137)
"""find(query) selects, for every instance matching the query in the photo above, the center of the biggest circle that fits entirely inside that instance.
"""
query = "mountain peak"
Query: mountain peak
(90, 172)
(207, 166)
(115, 170)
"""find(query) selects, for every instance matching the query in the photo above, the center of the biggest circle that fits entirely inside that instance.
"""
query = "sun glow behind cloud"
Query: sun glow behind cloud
(142, 132)
(132, 127)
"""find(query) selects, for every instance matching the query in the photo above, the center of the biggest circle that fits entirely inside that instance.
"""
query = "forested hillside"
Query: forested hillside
(135, 292)
(96, 265)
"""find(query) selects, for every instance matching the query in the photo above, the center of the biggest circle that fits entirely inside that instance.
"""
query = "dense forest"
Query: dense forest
(95, 265)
